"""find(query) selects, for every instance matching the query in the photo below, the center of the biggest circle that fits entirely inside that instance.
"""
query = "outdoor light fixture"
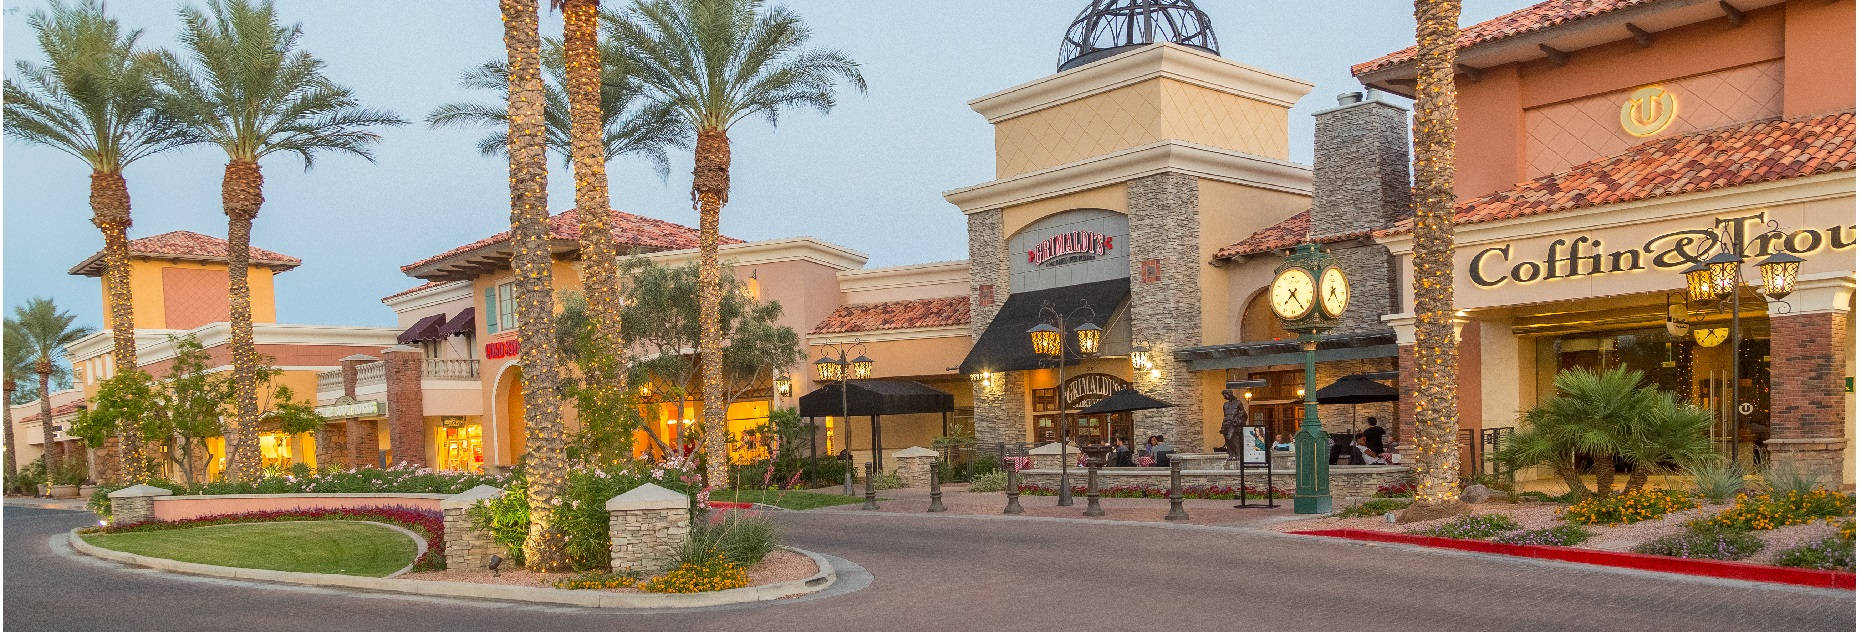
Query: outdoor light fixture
(827, 370)
(1698, 283)
(1779, 271)
(1140, 359)
(495, 562)
(1724, 268)
(1089, 337)
(861, 368)
(1045, 339)
(984, 379)
(783, 385)
(1248, 395)
(1301, 393)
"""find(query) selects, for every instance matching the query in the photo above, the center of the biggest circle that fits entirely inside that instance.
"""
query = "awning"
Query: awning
(1125, 400)
(424, 330)
(877, 397)
(1005, 346)
(1357, 389)
(463, 324)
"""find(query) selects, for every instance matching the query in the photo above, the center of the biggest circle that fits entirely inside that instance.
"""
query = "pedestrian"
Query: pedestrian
(1372, 436)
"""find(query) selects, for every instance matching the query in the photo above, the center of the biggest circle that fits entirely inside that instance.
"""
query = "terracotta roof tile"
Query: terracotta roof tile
(423, 286)
(1537, 17)
(57, 411)
(1750, 153)
(186, 245)
(1289, 232)
(911, 314)
(633, 232)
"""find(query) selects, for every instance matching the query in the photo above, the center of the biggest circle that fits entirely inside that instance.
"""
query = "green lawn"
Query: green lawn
(346, 548)
(786, 499)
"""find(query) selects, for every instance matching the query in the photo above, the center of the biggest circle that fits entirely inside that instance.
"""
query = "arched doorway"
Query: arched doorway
(506, 428)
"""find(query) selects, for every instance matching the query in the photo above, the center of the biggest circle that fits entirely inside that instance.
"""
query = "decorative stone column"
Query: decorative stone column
(914, 465)
(1000, 399)
(405, 406)
(135, 505)
(363, 443)
(466, 545)
(1165, 309)
(647, 526)
(1046, 457)
(1809, 402)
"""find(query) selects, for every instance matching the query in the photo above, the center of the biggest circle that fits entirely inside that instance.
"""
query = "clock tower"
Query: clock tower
(1309, 292)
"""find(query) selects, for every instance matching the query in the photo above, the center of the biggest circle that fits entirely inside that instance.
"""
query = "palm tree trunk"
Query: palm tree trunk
(242, 192)
(45, 417)
(1637, 479)
(1435, 354)
(12, 455)
(710, 187)
(546, 459)
(1604, 475)
(603, 369)
(1573, 479)
(109, 206)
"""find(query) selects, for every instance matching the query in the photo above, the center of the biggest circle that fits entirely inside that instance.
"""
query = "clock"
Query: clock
(1333, 292)
(1710, 337)
(1294, 293)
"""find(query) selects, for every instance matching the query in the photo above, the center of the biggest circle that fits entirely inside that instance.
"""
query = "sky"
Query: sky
(869, 175)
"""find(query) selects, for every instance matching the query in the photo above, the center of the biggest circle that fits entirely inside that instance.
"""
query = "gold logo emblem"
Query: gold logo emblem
(1648, 110)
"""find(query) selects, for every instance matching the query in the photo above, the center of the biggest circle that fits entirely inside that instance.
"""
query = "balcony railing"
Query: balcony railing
(371, 374)
(375, 374)
(329, 381)
(449, 370)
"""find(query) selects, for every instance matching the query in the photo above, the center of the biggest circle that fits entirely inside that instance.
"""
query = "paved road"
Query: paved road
(968, 573)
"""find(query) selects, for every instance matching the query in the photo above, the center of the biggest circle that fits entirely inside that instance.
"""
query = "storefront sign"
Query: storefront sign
(352, 410)
(1093, 385)
(1648, 110)
(1581, 256)
(501, 349)
(1087, 244)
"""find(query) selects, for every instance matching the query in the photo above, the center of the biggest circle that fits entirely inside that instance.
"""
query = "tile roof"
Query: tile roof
(633, 232)
(1289, 232)
(1537, 17)
(1745, 154)
(61, 410)
(189, 246)
(423, 286)
(910, 314)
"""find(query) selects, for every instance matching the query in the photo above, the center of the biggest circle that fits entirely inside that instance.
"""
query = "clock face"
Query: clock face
(1710, 337)
(1294, 293)
(1333, 292)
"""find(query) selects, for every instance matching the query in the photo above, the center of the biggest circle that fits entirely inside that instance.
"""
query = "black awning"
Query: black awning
(462, 324)
(1005, 345)
(423, 330)
(877, 397)
(1357, 389)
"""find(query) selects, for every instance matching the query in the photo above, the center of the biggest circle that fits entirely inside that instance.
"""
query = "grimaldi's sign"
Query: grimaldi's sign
(1070, 246)
(1576, 256)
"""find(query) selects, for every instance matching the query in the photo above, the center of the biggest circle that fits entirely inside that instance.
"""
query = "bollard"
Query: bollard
(1176, 512)
(871, 493)
(1091, 493)
(936, 488)
(1013, 488)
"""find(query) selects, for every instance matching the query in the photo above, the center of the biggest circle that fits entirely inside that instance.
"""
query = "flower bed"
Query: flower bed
(429, 524)
(1762, 512)
(1628, 508)
(1192, 492)
(400, 479)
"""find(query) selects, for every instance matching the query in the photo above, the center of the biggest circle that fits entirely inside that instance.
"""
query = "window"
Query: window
(507, 306)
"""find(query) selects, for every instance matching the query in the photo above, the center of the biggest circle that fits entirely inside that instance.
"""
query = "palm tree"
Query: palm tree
(44, 330)
(1602, 414)
(718, 62)
(547, 461)
(1670, 434)
(95, 99)
(15, 363)
(245, 87)
(1436, 356)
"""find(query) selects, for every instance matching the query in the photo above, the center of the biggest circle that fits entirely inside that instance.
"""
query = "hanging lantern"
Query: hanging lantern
(1140, 359)
(861, 368)
(1779, 272)
(1725, 268)
(1045, 339)
(1698, 283)
(784, 386)
(827, 370)
(1089, 337)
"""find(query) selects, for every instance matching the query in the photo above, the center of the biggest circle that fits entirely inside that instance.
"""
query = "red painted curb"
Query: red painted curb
(719, 504)
(1707, 568)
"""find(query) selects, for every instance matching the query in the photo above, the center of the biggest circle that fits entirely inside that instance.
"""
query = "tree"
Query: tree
(718, 62)
(44, 330)
(1436, 355)
(1670, 434)
(546, 462)
(245, 87)
(95, 99)
(1593, 413)
(14, 365)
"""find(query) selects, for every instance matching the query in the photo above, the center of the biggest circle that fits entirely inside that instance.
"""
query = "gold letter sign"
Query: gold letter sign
(1648, 110)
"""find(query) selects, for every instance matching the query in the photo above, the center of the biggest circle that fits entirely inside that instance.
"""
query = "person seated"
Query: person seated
(1340, 447)
(1282, 443)
(1120, 452)
(1362, 455)
(1160, 451)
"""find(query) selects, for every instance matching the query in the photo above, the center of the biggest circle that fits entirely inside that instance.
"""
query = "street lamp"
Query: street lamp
(836, 367)
(1718, 282)
(784, 386)
(1049, 340)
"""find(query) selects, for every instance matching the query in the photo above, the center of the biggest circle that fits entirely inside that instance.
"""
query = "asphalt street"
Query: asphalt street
(973, 573)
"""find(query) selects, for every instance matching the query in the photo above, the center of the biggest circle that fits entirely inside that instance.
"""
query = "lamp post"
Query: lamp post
(1049, 340)
(836, 367)
(1717, 282)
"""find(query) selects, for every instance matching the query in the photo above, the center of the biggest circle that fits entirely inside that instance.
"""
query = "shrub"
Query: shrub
(1472, 527)
(1375, 507)
(1775, 510)
(29, 477)
(888, 479)
(598, 581)
(741, 539)
(1705, 542)
(990, 482)
(1627, 508)
(716, 572)
(1784, 476)
(1401, 490)
(1717, 480)
(506, 517)
(1564, 498)
(1830, 554)
(582, 514)
(1560, 535)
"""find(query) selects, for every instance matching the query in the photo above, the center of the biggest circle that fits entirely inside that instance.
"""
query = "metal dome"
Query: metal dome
(1109, 27)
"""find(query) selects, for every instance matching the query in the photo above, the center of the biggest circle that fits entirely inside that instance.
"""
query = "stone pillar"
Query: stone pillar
(913, 465)
(1809, 402)
(1402, 439)
(135, 505)
(109, 467)
(363, 443)
(1000, 398)
(647, 526)
(332, 446)
(466, 545)
(1001, 408)
(1046, 457)
(405, 408)
(1165, 227)
(349, 366)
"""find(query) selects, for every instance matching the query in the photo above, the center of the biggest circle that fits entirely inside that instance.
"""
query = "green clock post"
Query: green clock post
(1309, 293)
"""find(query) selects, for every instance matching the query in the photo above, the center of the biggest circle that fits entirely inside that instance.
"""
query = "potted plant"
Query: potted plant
(65, 483)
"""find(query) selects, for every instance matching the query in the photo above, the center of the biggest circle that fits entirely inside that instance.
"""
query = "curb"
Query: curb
(822, 578)
(1659, 563)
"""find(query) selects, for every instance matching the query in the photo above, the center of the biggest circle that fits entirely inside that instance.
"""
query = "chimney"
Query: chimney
(1360, 166)
(349, 366)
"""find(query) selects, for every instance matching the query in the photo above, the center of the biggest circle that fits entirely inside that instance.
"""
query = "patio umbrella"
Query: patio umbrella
(1125, 400)
(1356, 389)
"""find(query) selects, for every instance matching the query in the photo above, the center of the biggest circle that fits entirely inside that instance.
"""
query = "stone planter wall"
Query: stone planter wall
(914, 465)
(646, 528)
(466, 545)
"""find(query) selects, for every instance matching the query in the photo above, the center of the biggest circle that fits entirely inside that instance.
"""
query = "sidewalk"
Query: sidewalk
(959, 500)
(62, 504)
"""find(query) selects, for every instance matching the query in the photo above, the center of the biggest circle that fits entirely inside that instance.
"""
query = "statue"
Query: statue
(1233, 424)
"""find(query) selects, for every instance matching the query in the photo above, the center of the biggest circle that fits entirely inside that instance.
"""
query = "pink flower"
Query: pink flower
(658, 475)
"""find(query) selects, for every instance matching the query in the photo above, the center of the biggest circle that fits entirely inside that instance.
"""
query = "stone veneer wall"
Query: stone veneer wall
(406, 405)
(1360, 167)
(363, 443)
(1165, 225)
(1808, 406)
(1371, 270)
(1345, 480)
(1000, 408)
(647, 540)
